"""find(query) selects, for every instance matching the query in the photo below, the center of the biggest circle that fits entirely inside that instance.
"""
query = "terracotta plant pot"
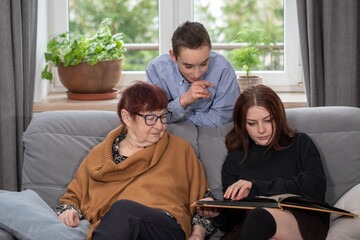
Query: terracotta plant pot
(245, 82)
(84, 78)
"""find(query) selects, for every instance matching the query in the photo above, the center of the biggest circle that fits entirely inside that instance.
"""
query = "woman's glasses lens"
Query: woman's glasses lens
(165, 118)
(152, 119)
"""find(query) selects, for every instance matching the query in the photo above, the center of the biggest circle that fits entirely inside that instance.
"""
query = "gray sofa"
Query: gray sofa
(56, 143)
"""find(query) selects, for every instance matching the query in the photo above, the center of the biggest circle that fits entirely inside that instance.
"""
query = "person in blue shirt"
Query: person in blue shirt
(201, 85)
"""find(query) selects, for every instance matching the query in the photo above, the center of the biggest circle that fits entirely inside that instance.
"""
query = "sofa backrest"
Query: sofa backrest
(336, 133)
(56, 142)
(334, 130)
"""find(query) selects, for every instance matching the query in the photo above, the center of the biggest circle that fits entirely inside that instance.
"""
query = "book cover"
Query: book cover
(277, 202)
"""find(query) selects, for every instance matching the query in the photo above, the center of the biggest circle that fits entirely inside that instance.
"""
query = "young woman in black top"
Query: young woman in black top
(266, 157)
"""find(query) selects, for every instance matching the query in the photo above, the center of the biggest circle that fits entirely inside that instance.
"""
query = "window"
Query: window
(171, 13)
(224, 19)
(138, 19)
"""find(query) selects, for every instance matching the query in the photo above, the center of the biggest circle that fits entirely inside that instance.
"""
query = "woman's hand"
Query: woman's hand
(238, 190)
(70, 217)
(206, 211)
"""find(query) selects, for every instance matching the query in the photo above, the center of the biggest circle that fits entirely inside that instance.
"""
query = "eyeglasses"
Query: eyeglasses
(151, 119)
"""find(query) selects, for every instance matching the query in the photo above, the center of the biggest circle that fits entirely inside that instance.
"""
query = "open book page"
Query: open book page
(280, 197)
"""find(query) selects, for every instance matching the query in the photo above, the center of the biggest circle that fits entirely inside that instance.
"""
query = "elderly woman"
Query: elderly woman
(139, 182)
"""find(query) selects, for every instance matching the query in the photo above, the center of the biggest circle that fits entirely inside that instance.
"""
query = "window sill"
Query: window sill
(59, 101)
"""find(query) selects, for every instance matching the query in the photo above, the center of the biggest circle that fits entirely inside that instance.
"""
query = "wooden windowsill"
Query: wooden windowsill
(59, 101)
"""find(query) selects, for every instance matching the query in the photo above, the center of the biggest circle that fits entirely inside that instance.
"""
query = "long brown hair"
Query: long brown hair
(263, 96)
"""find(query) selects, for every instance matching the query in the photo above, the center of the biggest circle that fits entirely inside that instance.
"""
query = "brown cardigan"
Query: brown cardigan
(169, 164)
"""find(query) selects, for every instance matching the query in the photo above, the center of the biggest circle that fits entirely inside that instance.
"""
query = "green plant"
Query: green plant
(102, 46)
(248, 57)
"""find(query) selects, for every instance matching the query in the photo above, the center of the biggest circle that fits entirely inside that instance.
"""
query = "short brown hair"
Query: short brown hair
(192, 35)
(265, 97)
(142, 97)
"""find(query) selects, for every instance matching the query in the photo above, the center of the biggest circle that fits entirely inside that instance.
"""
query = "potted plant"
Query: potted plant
(88, 67)
(247, 57)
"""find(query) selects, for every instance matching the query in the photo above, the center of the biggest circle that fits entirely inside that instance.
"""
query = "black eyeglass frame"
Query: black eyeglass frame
(157, 117)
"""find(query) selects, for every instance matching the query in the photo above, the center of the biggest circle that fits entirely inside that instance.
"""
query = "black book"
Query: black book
(278, 202)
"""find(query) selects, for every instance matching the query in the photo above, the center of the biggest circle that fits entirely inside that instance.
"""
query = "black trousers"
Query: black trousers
(130, 220)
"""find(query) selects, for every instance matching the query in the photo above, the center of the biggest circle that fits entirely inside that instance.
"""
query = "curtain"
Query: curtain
(18, 19)
(330, 50)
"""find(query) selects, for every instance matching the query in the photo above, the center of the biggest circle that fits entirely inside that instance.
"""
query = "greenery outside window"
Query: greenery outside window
(150, 24)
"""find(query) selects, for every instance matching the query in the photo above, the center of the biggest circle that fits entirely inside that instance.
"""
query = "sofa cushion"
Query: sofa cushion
(341, 160)
(336, 133)
(186, 130)
(56, 143)
(342, 227)
(26, 216)
(212, 153)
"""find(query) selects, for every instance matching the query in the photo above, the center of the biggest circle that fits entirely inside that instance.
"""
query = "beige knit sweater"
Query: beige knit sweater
(166, 175)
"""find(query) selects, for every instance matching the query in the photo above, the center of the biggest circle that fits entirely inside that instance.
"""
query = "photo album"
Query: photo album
(278, 202)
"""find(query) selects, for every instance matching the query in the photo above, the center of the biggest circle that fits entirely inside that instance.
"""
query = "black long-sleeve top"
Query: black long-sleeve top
(297, 169)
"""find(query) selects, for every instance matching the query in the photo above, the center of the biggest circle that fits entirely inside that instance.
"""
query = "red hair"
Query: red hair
(142, 97)
(265, 97)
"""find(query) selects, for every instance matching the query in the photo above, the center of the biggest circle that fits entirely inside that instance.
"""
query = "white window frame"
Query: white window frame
(174, 12)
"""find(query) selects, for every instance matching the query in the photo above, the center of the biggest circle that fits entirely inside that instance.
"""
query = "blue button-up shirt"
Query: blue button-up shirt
(213, 111)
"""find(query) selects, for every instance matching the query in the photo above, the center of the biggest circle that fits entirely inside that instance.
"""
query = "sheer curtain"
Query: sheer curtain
(18, 19)
(330, 49)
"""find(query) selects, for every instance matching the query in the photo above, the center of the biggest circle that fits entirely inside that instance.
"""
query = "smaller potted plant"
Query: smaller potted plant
(248, 57)
(89, 66)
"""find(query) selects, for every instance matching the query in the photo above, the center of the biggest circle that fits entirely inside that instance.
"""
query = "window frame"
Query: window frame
(174, 12)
